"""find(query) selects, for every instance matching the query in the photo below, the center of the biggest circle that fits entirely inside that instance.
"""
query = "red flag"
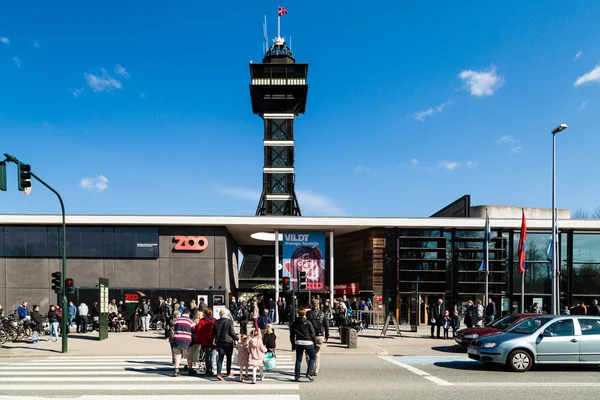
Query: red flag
(522, 240)
(281, 11)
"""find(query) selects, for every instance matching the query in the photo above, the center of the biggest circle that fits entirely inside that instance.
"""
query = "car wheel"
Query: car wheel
(519, 361)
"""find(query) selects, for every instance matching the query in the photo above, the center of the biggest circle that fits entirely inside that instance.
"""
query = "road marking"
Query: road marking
(438, 381)
(152, 378)
(175, 397)
(115, 364)
(529, 384)
(151, 387)
(417, 371)
(384, 351)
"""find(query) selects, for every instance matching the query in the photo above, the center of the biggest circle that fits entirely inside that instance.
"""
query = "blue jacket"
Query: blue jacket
(263, 320)
(23, 312)
(72, 311)
(456, 324)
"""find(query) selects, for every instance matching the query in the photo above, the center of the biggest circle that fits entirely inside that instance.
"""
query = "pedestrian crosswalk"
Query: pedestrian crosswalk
(101, 377)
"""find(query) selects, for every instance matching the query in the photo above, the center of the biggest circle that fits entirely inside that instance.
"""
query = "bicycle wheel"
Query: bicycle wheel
(3, 337)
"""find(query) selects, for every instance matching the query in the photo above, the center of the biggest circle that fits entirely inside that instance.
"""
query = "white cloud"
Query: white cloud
(516, 149)
(121, 71)
(583, 105)
(35, 44)
(360, 168)
(316, 204)
(17, 61)
(592, 76)
(471, 164)
(449, 165)
(414, 162)
(4, 39)
(421, 115)
(481, 83)
(95, 184)
(77, 92)
(507, 139)
(104, 82)
(577, 55)
(241, 193)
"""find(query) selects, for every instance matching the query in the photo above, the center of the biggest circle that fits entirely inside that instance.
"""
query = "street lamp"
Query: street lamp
(555, 290)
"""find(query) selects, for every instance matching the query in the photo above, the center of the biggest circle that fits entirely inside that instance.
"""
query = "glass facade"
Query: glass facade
(445, 263)
(82, 242)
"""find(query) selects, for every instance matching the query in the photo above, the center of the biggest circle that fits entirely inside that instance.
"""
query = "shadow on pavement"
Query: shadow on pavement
(150, 337)
(83, 336)
(449, 349)
(32, 347)
(469, 365)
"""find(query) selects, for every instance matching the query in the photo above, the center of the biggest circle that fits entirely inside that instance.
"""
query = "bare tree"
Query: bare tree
(581, 214)
(596, 213)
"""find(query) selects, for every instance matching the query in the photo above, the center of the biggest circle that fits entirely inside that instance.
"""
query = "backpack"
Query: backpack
(315, 320)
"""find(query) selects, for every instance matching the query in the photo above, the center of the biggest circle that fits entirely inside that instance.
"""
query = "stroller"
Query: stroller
(114, 324)
(356, 325)
(156, 323)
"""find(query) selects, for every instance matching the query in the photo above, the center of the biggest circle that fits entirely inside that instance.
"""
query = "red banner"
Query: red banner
(346, 288)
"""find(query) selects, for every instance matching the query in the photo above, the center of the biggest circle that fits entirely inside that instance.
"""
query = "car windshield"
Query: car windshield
(529, 325)
(504, 322)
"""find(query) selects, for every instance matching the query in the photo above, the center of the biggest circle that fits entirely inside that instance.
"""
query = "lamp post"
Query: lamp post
(555, 289)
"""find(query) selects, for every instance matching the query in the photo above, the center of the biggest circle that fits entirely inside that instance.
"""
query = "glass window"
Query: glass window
(146, 242)
(504, 322)
(125, 243)
(586, 278)
(589, 326)
(108, 242)
(54, 246)
(1, 241)
(73, 241)
(91, 242)
(37, 241)
(15, 240)
(561, 328)
(586, 247)
(529, 325)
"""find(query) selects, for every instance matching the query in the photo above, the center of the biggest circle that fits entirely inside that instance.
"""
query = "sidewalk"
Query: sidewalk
(153, 343)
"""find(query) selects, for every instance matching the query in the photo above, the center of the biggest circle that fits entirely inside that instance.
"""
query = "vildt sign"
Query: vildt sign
(190, 243)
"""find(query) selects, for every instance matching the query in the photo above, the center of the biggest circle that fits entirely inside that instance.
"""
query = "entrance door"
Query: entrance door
(558, 343)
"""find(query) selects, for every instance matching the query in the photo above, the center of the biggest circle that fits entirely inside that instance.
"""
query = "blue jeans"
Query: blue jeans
(310, 352)
(225, 349)
(272, 314)
(209, 356)
(490, 319)
(54, 329)
(71, 318)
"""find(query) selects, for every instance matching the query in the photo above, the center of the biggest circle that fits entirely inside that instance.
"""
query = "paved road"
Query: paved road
(342, 377)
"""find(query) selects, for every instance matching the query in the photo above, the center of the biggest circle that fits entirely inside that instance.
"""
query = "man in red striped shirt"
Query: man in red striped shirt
(183, 328)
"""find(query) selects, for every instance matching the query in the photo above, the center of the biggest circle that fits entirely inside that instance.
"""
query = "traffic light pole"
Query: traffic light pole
(63, 295)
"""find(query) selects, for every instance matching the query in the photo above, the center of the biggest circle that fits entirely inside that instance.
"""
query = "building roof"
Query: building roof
(241, 227)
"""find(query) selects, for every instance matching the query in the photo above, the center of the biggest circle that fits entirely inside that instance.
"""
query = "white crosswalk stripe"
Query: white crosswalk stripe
(97, 378)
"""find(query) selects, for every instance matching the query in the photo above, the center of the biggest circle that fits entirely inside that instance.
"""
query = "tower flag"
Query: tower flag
(487, 238)
(522, 241)
(280, 11)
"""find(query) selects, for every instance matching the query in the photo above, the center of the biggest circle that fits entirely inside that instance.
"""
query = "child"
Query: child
(455, 324)
(446, 323)
(269, 339)
(243, 357)
(256, 350)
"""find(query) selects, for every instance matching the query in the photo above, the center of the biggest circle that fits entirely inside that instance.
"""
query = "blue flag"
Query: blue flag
(487, 238)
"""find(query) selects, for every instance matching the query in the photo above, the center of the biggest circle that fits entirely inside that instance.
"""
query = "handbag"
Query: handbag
(270, 361)
(236, 359)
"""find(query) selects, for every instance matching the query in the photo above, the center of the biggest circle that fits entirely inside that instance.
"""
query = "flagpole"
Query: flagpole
(278, 25)
(522, 278)
(486, 244)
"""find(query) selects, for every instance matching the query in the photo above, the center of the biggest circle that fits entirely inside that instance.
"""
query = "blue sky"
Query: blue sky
(143, 107)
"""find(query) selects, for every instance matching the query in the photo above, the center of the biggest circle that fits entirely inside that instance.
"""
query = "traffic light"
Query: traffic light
(286, 284)
(3, 176)
(69, 286)
(56, 282)
(24, 177)
(302, 280)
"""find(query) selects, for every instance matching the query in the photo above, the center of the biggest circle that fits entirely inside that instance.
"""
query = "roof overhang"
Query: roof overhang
(241, 227)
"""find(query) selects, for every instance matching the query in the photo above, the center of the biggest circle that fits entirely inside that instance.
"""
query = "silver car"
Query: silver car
(547, 339)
